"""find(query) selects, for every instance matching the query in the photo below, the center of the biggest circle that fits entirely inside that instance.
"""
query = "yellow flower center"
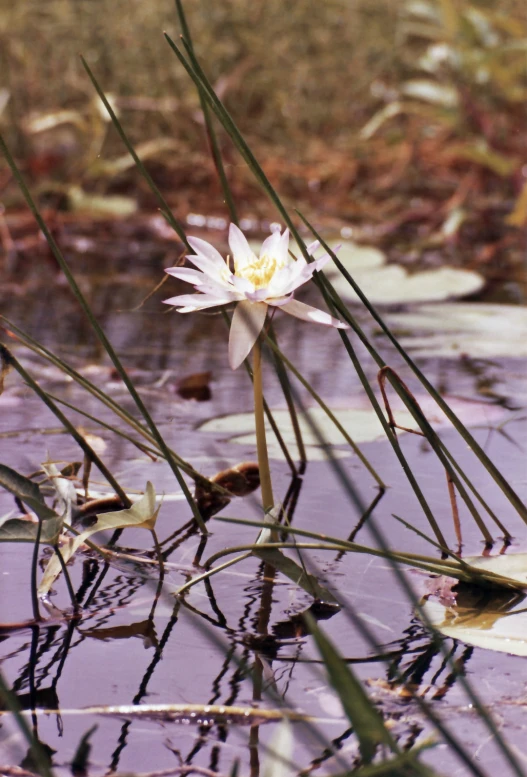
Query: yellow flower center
(259, 273)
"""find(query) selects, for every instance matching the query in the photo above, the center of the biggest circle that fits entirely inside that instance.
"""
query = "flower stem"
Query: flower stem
(261, 444)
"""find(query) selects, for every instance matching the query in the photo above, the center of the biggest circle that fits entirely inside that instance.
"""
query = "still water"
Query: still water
(238, 640)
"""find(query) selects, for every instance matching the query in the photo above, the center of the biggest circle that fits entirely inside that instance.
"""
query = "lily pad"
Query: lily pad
(354, 257)
(392, 285)
(480, 330)
(359, 420)
(490, 620)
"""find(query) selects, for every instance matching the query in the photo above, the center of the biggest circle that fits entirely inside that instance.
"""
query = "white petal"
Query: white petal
(312, 247)
(203, 248)
(318, 264)
(197, 301)
(186, 274)
(247, 323)
(307, 313)
(282, 250)
(241, 251)
(270, 245)
(218, 290)
(210, 268)
(290, 278)
(242, 284)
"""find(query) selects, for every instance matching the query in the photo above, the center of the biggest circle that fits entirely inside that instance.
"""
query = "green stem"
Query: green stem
(261, 444)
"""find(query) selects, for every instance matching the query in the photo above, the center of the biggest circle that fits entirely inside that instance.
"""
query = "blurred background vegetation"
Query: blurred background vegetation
(358, 109)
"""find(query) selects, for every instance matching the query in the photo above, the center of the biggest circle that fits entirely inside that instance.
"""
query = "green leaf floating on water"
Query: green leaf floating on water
(490, 619)
(142, 515)
(26, 530)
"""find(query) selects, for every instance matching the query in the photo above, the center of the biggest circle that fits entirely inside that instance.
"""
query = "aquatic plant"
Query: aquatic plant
(257, 283)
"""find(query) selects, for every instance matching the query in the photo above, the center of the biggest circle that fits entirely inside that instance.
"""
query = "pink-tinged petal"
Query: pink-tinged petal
(318, 264)
(307, 313)
(278, 302)
(257, 296)
(312, 247)
(247, 322)
(240, 248)
(205, 249)
(197, 301)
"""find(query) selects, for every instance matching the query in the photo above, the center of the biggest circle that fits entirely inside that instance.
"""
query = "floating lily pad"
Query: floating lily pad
(490, 620)
(355, 257)
(392, 285)
(474, 329)
(360, 422)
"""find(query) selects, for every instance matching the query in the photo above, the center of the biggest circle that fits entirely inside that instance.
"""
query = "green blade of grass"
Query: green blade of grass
(286, 390)
(211, 133)
(438, 449)
(456, 568)
(361, 712)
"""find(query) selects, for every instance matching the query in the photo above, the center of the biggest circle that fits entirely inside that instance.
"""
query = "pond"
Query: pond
(239, 640)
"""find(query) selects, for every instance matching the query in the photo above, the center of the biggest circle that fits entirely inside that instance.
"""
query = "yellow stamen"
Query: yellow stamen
(259, 273)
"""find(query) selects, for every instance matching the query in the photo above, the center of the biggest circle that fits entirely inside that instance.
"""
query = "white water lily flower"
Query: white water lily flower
(256, 283)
